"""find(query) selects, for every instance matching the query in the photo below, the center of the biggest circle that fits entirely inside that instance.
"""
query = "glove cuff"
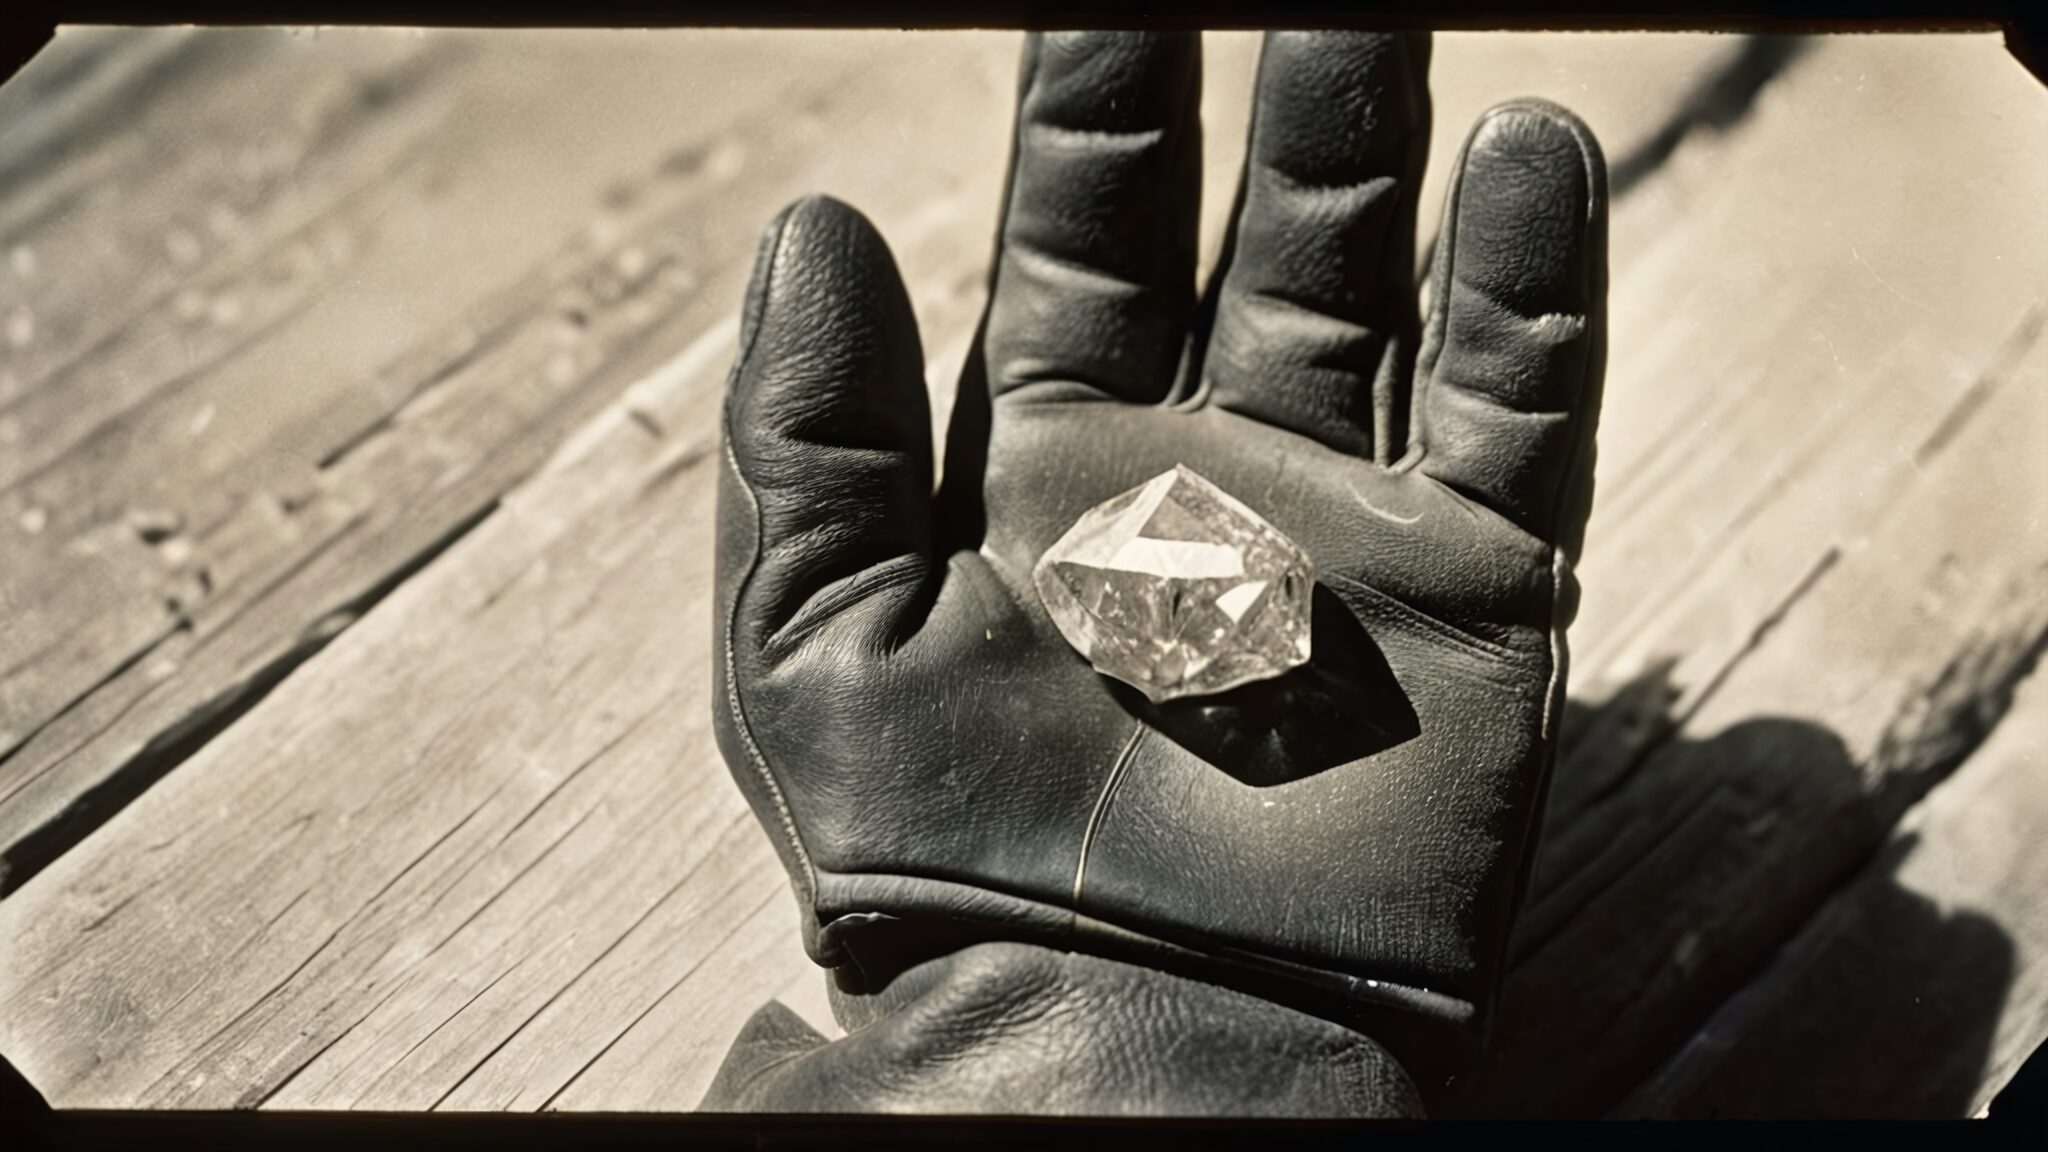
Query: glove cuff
(1021, 1029)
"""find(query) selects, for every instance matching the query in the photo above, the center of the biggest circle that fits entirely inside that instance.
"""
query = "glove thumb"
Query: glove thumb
(829, 441)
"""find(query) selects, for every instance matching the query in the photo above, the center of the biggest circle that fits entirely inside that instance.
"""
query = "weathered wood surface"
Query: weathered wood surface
(478, 852)
(1937, 949)
(490, 300)
(1822, 522)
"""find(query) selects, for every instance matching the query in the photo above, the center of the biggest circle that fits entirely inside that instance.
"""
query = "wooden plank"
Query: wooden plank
(927, 198)
(303, 509)
(504, 786)
(1922, 986)
(272, 915)
(181, 227)
(1814, 572)
(527, 901)
(101, 317)
(1731, 832)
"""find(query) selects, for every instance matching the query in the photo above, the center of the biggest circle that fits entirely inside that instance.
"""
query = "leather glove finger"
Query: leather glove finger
(1095, 277)
(1508, 389)
(1316, 325)
(824, 523)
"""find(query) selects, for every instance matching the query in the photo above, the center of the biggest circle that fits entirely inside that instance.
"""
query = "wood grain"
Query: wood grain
(1936, 950)
(612, 578)
(134, 269)
(531, 608)
(1813, 566)
(307, 506)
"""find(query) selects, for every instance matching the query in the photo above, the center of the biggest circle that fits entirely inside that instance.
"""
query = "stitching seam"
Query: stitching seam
(732, 684)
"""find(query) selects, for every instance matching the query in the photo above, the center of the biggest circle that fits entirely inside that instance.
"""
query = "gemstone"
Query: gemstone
(1177, 589)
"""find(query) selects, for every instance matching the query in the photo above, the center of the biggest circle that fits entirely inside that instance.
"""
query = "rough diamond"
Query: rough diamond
(1177, 589)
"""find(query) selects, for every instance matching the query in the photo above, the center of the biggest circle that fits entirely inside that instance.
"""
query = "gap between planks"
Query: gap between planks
(1787, 665)
(467, 435)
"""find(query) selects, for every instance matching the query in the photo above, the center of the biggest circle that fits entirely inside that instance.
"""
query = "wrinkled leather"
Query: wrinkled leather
(937, 766)
(1018, 1029)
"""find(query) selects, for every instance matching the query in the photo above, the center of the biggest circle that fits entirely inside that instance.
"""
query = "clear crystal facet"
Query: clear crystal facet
(1178, 589)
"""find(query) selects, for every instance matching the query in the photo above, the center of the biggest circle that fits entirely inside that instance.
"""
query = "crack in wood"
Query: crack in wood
(177, 627)
(583, 266)
(1761, 632)
(405, 979)
(29, 854)
(644, 1013)
(2016, 346)
(178, 1071)
(1662, 730)
(258, 1096)
(512, 882)
(530, 813)
(569, 984)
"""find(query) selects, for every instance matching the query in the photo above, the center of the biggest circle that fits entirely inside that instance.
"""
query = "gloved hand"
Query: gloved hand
(934, 762)
(1010, 1028)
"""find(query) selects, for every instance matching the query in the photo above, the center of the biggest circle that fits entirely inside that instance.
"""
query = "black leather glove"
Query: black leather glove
(934, 762)
(1011, 1029)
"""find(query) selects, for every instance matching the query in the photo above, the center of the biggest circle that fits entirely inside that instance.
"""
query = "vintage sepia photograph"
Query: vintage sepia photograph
(1355, 574)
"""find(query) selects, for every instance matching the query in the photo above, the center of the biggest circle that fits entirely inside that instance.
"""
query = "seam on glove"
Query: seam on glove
(732, 687)
(1560, 563)
(1110, 784)
(937, 897)
(1558, 566)
(750, 333)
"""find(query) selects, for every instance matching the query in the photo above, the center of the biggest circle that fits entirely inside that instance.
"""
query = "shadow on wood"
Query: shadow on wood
(1933, 985)
(1932, 982)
